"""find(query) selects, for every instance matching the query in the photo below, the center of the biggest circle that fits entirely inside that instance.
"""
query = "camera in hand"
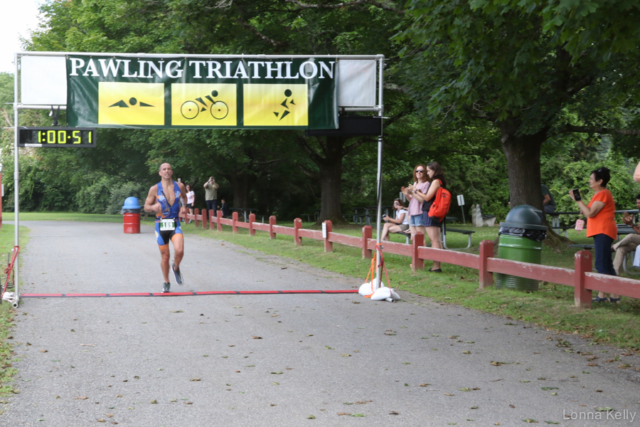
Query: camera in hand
(576, 194)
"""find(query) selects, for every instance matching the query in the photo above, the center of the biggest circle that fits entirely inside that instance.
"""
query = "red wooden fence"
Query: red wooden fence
(581, 278)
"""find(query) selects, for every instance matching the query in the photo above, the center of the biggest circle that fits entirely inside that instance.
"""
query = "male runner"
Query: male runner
(163, 201)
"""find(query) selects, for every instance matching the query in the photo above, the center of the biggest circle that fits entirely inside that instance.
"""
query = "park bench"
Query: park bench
(564, 228)
(627, 264)
(445, 230)
(313, 215)
(585, 246)
(407, 234)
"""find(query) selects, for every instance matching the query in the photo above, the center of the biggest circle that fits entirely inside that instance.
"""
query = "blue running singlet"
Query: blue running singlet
(165, 230)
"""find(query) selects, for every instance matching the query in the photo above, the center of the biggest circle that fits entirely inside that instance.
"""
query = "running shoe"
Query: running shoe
(176, 271)
(165, 288)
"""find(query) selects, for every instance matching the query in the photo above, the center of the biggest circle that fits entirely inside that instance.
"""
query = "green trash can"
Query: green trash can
(521, 237)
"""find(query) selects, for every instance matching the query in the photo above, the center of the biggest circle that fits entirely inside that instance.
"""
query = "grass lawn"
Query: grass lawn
(66, 216)
(6, 311)
(552, 306)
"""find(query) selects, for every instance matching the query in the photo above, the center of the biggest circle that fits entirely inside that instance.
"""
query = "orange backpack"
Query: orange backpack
(441, 203)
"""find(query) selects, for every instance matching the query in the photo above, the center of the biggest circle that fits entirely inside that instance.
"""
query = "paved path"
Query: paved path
(277, 360)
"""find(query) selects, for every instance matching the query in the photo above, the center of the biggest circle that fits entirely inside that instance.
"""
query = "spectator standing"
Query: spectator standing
(191, 199)
(433, 224)
(399, 223)
(548, 202)
(601, 224)
(226, 212)
(211, 195)
(421, 183)
(629, 243)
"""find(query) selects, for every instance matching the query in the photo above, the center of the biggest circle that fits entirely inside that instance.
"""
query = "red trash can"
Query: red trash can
(132, 223)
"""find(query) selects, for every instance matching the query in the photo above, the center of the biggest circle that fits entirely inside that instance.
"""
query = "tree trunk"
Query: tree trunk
(330, 176)
(523, 166)
(241, 184)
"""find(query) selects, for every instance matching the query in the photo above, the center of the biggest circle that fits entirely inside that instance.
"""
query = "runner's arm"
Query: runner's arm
(151, 204)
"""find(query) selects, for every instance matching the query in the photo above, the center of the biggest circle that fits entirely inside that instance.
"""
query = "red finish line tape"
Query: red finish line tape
(183, 294)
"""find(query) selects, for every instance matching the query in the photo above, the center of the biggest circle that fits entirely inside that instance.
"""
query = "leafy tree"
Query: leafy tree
(532, 69)
(218, 27)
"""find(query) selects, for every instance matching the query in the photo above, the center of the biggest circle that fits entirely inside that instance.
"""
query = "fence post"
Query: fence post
(212, 219)
(328, 246)
(582, 296)
(367, 233)
(272, 222)
(416, 262)
(486, 277)
(252, 219)
(219, 224)
(204, 219)
(234, 222)
(297, 225)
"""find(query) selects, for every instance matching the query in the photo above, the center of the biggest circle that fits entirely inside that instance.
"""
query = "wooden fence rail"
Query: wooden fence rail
(583, 280)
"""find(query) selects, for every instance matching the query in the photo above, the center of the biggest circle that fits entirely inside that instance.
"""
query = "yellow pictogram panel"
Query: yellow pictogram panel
(276, 105)
(130, 103)
(202, 104)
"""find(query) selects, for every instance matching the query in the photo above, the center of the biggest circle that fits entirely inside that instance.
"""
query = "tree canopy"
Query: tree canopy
(533, 69)
(503, 93)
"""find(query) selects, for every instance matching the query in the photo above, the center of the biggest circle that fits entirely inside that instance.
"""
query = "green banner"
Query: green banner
(206, 92)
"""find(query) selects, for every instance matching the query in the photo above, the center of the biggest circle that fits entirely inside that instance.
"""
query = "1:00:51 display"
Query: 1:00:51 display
(62, 137)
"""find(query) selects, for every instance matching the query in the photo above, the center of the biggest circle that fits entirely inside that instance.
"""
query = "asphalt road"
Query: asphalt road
(278, 360)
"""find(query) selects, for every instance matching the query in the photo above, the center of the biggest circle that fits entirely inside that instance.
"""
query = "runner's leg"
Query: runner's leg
(164, 262)
(178, 248)
(178, 252)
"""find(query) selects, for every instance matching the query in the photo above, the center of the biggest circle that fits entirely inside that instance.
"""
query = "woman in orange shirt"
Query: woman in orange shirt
(601, 224)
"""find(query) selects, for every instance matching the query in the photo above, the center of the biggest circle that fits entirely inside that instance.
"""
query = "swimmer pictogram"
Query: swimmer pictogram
(285, 113)
(132, 101)
(124, 103)
(218, 109)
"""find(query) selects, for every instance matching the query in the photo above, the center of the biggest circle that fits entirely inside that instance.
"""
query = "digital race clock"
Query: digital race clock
(57, 137)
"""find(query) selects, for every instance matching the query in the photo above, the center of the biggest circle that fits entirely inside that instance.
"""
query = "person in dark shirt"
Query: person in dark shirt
(225, 208)
(548, 202)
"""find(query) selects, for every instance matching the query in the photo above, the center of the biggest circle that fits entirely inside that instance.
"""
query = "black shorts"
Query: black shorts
(164, 237)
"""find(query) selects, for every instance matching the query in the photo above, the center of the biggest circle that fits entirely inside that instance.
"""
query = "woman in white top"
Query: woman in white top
(400, 223)
(421, 183)
(191, 198)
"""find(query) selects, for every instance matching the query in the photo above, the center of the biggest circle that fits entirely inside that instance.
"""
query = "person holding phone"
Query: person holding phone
(421, 183)
(211, 196)
(397, 224)
(432, 224)
(601, 224)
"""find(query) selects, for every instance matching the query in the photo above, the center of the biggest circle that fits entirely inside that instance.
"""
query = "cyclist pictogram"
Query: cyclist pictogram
(218, 109)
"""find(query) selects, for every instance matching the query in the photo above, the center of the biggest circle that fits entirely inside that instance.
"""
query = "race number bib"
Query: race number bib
(167, 224)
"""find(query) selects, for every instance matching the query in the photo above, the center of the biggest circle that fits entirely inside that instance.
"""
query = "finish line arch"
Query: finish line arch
(175, 91)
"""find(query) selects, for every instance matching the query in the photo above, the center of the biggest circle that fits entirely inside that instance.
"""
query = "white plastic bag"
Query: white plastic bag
(385, 293)
(368, 288)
